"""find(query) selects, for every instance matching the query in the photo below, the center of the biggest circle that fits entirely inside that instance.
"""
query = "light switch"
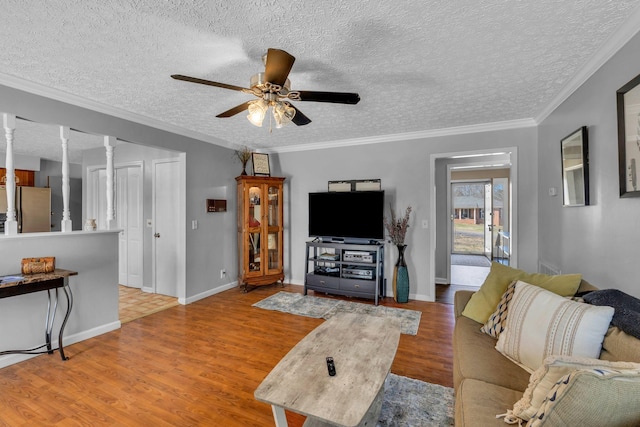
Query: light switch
(553, 191)
(194, 224)
(425, 223)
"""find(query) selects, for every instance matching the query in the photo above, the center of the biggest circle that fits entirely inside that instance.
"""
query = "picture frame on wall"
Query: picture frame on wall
(260, 162)
(575, 168)
(628, 104)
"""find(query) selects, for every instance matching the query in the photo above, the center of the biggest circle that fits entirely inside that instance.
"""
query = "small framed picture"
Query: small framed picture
(260, 162)
(628, 97)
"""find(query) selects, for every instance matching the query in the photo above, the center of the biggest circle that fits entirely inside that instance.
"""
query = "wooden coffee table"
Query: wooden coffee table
(363, 348)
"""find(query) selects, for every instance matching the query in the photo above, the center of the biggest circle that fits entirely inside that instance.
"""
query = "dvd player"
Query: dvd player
(351, 272)
(357, 256)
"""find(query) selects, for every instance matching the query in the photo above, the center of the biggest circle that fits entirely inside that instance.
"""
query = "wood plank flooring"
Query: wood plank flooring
(194, 365)
(134, 303)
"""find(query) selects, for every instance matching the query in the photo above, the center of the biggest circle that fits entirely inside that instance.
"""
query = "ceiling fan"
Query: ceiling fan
(273, 89)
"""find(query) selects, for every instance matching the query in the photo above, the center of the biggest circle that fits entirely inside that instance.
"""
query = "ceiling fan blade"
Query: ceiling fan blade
(300, 119)
(277, 67)
(235, 110)
(207, 82)
(334, 97)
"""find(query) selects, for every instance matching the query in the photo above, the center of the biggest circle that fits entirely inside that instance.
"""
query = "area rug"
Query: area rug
(470, 260)
(409, 402)
(324, 308)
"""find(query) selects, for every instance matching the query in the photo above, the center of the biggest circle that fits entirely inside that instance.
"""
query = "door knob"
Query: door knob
(156, 235)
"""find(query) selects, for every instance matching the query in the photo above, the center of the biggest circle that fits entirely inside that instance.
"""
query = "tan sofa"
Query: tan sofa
(487, 383)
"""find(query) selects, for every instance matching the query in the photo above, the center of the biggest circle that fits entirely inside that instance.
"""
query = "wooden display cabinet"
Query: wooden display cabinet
(24, 178)
(260, 231)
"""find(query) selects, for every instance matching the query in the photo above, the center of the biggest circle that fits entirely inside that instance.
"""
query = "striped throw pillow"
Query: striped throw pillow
(541, 323)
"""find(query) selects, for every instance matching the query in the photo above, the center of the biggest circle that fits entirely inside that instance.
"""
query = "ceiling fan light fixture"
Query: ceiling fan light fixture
(283, 113)
(257, 110)
(273, 87)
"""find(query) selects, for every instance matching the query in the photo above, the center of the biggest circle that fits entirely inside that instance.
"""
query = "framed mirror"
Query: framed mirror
(575, 168)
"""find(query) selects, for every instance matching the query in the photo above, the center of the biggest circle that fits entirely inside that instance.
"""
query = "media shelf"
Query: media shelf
(345, 269)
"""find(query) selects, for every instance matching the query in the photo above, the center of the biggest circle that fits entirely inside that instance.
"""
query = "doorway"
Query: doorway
(495, 170)
(128, 206)
(480, 212)
(469, 215)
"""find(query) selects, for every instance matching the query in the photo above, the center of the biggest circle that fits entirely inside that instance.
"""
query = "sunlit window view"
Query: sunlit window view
(478, 217)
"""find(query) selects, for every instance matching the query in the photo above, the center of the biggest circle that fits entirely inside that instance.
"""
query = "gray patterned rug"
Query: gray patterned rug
(470, 260)
(409, 402)
(305, 305)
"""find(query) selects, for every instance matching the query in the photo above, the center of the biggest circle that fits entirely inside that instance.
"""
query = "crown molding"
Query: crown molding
(459, 130)
(615, 42)
(79, 101)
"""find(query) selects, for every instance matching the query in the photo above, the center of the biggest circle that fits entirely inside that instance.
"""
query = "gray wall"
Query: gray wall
(600, 241)
(209, 168)
(403, 168)
(95, 289)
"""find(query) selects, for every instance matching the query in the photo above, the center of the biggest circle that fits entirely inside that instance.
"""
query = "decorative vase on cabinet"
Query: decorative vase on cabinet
(260, 231)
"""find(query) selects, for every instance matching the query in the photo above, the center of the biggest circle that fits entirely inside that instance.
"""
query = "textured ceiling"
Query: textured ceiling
(418, 65)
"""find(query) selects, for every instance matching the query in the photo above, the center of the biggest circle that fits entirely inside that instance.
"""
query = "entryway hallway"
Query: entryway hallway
(135, 304)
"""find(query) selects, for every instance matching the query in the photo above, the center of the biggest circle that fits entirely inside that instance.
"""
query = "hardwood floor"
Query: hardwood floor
(134, 303)
(192, 365)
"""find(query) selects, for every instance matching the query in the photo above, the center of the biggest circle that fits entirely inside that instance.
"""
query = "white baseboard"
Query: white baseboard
(185, 301)
(420, 297)
(11, 359)
(442, 281)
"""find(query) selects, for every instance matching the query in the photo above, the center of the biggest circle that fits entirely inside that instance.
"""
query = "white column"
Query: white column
(11, 224)
(109, 144)
(65, 224)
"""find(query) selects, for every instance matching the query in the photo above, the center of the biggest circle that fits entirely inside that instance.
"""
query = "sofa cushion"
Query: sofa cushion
(592, 397)
(484, 302)
(551, 371)
(541, 324)
(478, 403)
(618, 345)
(475, 357)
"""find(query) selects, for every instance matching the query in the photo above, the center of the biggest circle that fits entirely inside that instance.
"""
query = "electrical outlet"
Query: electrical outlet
(223, 273)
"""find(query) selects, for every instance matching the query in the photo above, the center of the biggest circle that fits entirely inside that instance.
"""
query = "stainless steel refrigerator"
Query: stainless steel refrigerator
(33, 208)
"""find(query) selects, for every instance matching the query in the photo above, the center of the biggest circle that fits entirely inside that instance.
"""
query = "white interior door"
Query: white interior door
(97, 197)
(501, 214)
(166, 226)
(488, 220)
(128, 206)
(128, 203)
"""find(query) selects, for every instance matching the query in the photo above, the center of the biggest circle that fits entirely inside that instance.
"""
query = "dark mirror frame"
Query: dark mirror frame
(577, 165)
(628, 168)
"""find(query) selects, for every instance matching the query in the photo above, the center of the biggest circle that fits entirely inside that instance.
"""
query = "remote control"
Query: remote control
(331, 366)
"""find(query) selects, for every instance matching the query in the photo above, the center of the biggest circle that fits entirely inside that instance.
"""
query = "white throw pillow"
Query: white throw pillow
(552, 370)
(541, 323)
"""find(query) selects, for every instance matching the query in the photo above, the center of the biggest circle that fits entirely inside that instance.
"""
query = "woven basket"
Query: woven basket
(38, 265)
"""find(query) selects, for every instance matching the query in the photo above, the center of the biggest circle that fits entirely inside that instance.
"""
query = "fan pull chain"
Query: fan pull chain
(270, 118)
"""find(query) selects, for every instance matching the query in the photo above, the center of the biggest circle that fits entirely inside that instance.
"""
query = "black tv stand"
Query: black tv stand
(349, 269)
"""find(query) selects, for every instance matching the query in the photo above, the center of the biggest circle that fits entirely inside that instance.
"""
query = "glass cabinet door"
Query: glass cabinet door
(274, 237)
(255, 229)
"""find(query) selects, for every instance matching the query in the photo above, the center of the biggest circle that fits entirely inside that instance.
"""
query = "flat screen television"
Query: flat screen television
(350, 216)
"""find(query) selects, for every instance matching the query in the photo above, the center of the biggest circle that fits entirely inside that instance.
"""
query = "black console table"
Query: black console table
(21, 284)
(355, 270)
